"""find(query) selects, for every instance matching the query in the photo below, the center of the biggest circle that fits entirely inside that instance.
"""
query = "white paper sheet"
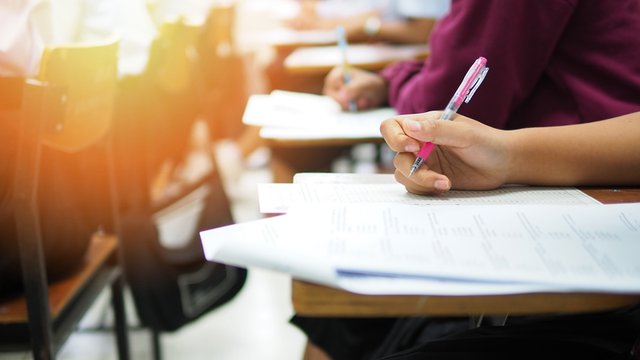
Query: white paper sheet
(279, 197)
(342, 178)
(446, 250)
(272, 244)
(291, 115)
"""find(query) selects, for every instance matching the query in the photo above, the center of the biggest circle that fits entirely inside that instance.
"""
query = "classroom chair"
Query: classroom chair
(67, 110)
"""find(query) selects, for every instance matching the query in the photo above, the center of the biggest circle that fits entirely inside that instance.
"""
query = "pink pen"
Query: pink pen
(467, 88)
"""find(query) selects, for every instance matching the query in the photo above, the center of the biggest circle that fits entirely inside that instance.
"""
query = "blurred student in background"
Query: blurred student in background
(28, 26)
(394, 21)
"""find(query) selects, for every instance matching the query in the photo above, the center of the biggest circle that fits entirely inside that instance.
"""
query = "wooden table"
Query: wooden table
(317, 300)
(291, 156)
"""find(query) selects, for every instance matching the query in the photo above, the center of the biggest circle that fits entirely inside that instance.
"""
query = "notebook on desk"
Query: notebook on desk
(294, 115)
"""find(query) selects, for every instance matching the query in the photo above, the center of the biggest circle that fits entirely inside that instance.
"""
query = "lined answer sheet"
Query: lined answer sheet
(581, 246)
(280, 197)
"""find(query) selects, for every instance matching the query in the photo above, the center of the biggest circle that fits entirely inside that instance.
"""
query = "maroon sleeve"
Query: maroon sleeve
(516, 37)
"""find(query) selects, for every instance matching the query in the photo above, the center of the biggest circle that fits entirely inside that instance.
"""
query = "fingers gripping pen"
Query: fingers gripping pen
(467, 88)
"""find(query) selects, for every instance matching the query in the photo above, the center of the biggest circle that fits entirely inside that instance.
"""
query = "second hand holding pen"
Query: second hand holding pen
(467, 88)
(346, 71)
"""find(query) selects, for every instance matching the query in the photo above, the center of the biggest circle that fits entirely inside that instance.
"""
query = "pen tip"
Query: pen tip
(416, 165)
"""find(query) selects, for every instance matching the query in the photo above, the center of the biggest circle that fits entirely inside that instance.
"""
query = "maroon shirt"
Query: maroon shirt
(552, 62)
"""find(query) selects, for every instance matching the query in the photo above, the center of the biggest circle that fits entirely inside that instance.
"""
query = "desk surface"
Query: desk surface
(321, 59)
(317, 300)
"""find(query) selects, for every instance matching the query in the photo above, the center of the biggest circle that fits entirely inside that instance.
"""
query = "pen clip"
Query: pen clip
(476, 84)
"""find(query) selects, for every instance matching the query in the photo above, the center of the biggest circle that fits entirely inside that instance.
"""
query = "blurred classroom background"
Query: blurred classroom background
(243, 43)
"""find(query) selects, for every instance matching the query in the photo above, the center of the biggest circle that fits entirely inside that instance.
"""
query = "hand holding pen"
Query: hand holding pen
(472, 80)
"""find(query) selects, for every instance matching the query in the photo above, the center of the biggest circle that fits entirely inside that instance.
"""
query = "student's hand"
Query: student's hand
(469, 155)
(367, 89)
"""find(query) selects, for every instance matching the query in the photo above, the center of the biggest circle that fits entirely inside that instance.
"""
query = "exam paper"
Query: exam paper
(444, 250)
(592, 248)
(273, 244)
(280, 197)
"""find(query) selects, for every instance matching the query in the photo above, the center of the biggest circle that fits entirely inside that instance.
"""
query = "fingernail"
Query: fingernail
(442, 184)
(412, 148)
(413, 125)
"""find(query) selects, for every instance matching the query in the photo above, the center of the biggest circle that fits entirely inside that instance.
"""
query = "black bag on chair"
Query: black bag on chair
(172, 286)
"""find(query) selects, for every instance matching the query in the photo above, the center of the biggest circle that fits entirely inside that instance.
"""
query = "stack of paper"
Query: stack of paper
(291, 115)
(446, 250)
(532, 240)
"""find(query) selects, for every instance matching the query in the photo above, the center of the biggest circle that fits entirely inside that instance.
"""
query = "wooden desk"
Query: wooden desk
(316, 300)
(321, 59)
(291, 156)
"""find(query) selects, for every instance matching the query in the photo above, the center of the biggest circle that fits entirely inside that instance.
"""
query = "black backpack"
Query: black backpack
(173, 286)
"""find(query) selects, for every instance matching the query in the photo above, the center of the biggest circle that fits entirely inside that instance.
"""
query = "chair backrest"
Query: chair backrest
(61, 196)
(86, 75)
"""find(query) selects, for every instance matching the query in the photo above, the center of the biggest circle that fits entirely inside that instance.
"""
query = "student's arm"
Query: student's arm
(597, 153)
(471, 155)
